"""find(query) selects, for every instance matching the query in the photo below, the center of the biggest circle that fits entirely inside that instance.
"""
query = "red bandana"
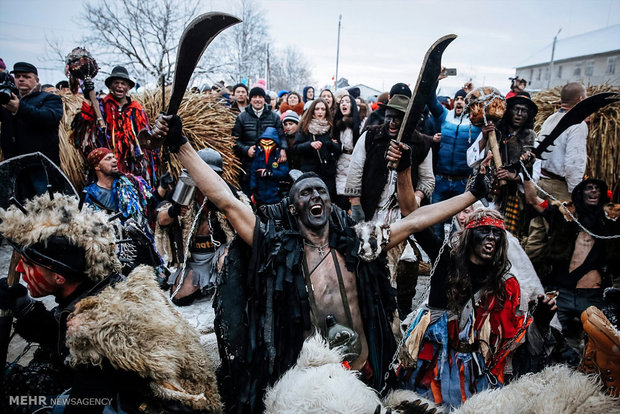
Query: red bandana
(97, 155)
(485, 221)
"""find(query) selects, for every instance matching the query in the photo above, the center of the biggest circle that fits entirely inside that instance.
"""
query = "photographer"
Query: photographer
(29, 117)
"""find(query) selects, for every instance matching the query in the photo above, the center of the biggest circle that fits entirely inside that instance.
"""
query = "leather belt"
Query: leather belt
(551, 175)
(454, 177)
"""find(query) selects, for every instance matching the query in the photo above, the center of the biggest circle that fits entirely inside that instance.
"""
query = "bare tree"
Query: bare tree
(249, 41)
(289, 70)
(141, 35)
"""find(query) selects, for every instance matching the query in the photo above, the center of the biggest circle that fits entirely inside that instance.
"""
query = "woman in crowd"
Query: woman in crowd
(328, 96)
(317, 149)
(293, 102)
(347, 129)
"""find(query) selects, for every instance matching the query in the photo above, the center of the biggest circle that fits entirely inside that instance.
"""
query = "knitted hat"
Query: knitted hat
(400, 89)
(290, 115)
(96, 155)
(355, 92)
(257, 91)
(460, 92)
(2, 65)
(282, 92)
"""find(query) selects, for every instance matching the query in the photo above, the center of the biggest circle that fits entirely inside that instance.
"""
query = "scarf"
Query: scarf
(318, 127)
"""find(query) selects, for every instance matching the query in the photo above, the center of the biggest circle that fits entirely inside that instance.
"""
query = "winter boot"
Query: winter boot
(602, 353)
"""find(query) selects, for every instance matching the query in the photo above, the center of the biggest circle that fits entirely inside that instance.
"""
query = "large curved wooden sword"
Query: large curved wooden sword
(574, 116)
(195, 39)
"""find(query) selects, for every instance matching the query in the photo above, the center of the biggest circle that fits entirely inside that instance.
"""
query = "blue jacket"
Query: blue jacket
(457, 134)
(266, 189)
(33, 128)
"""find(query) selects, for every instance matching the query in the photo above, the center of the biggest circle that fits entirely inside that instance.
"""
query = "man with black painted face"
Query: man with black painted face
(300, 275)
(515, 136)
(580, 262)
(370, 184)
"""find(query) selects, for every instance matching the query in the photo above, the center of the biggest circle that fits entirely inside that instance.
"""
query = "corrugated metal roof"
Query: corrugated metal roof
(591, 43)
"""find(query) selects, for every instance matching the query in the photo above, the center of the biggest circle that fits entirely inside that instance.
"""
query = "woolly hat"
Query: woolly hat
(400, 89)
(261, 83)
(340, 93)
(460, 92)
(96, 155)
(2, 64)
(257, 91)
(290, 115)
(355, 92)
(282, 92)
(56, 234)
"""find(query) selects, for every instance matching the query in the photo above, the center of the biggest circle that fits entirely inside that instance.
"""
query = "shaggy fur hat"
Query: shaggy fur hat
(60, 219)
(257, 91)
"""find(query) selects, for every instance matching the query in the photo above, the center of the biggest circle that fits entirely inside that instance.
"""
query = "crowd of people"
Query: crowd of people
(330, 212)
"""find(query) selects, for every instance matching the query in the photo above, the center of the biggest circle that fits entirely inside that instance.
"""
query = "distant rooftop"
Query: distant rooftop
(590, 43)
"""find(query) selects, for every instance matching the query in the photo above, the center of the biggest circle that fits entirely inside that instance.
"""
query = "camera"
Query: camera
(7, 88)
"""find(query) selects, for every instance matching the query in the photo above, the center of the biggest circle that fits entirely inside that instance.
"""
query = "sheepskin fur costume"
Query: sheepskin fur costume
(118, 325)
(556, 389)
(319, 383)
(87, 229)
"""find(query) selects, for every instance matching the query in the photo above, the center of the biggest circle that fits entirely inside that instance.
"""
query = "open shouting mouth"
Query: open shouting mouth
(316, 210)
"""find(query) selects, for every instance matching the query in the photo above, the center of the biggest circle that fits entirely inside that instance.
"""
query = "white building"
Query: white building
(591, 58)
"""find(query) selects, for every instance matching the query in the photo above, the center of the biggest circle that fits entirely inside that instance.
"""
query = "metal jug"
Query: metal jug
(184, 190)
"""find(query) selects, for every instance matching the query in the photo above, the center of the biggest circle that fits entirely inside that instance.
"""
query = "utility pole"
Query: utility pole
(337, 52)
(555, 38)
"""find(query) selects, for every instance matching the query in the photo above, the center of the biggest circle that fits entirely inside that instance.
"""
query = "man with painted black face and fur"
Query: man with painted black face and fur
(103, 327)
(277, 299)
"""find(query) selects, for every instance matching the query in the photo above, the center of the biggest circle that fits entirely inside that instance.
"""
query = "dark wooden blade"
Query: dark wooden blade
(429, 71)
(574, 116)
(195, 39)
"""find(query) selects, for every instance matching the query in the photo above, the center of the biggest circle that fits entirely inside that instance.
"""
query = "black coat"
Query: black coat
(33, 128)
(248, 128)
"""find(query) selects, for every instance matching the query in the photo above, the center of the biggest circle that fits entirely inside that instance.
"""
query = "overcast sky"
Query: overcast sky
(382, 42)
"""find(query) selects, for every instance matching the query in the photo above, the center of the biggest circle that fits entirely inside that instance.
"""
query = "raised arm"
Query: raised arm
(208, 181)
(427, 216)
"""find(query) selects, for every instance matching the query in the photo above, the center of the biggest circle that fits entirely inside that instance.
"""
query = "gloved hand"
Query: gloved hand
(480, 184)
(264, 172)
(357, 213)
(170, 127)
(14, 298)
(545, 309)
(87, 86)
(174, 210)
(166, 181)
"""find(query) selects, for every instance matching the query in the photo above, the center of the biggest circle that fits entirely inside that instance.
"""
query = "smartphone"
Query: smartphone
(449, 72)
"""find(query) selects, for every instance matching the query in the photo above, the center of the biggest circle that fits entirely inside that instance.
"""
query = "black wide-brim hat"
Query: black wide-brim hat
(119, 72)
(522, 99)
